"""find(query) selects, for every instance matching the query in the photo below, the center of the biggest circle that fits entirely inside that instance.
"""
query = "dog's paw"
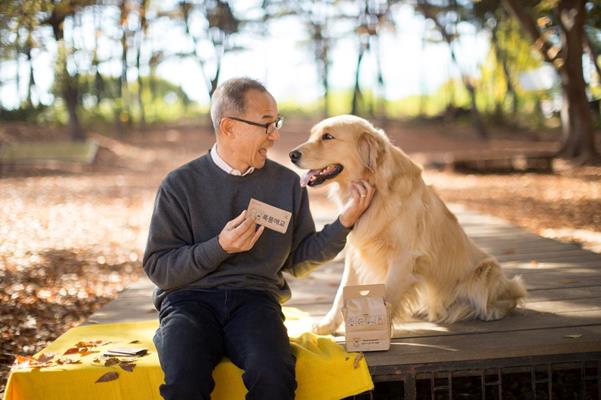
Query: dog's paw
(325, 327)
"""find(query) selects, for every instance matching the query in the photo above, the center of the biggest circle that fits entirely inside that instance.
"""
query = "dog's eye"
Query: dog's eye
(327, 136)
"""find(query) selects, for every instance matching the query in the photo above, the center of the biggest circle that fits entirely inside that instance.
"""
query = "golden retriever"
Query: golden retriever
(407, 238)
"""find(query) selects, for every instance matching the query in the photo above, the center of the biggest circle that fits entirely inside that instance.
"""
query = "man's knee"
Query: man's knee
(271, 375)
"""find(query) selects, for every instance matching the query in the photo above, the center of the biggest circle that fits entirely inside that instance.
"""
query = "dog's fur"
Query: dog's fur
(407, 238)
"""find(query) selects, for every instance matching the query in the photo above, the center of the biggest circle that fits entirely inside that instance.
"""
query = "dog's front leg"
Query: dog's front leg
(399, 280)
(334, 318)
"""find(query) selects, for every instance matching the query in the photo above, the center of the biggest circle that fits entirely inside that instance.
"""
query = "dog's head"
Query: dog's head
(340, 149)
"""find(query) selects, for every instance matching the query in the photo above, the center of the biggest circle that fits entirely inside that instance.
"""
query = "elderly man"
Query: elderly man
(219, 277)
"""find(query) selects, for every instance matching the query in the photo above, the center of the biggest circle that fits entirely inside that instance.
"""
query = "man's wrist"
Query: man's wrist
(343, 221)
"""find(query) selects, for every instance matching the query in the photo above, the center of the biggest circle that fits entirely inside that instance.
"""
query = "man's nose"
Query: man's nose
(295, 156)
(275, 135)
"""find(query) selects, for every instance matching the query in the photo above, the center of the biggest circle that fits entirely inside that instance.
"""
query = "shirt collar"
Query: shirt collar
(220, 162)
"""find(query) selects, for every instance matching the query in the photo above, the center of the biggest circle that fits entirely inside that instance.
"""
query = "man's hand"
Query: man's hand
(239, 234)
(362, 193)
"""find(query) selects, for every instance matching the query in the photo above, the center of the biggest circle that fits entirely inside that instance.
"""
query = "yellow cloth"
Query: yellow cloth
(324, 370)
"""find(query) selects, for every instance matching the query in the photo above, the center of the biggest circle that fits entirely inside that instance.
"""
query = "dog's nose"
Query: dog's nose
(295, 156)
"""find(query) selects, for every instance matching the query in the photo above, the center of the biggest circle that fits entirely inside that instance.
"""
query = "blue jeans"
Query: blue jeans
(198, 327)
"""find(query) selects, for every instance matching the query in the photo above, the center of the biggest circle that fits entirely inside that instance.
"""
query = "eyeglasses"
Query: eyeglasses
(270, 127)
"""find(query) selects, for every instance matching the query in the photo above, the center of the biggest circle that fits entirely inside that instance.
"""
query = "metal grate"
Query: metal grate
(556, 379)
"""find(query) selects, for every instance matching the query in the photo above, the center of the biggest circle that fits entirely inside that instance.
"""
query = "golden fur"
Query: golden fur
(407, 238)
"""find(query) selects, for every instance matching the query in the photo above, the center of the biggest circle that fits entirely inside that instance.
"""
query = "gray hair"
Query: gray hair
(228, 98)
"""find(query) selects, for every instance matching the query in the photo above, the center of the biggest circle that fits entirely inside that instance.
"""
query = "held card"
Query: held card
(269, 216)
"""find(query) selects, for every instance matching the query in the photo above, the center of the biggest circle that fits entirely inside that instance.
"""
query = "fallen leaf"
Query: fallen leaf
(129, 367)
(111, 361)
(67, 361)
(109, 376)
(134, 342)
(357, 360)
(86, 344)
(573, 336)
(45, 357)
(72, 350)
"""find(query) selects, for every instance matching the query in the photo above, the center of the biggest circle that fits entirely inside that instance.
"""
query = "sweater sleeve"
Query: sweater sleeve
(310, 249)
(172, 259)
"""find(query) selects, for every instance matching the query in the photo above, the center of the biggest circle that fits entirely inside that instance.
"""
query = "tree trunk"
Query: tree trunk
(31, 83)
(71, 94)
(18, 68)
(357, 96)
(68, 84)
(424, 7)
(577, 124)
(142, 35)
(577, 129)
(502, 59)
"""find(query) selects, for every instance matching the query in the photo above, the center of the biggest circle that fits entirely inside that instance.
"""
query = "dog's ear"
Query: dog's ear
(370, 150)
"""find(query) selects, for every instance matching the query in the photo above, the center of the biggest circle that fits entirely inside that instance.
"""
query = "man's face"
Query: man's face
(251, 143)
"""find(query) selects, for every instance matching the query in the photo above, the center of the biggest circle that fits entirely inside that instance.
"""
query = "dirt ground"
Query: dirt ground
(71, 240)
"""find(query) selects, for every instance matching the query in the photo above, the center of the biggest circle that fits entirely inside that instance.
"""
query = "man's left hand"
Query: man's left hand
(361, 194)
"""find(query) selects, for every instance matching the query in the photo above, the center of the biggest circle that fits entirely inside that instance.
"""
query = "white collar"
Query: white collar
(225, 166)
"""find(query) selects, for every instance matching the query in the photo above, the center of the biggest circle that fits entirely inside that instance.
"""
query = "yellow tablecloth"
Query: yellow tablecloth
(324, 370)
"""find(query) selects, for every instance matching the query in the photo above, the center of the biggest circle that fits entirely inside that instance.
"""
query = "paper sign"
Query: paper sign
(367, 319)
(269, 216)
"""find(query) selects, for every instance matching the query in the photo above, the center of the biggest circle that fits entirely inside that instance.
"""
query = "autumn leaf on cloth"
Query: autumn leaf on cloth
(127, 366)
(43, 361)
(109, 376)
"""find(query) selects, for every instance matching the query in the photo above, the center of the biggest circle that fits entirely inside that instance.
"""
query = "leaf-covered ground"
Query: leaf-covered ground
(71, 241)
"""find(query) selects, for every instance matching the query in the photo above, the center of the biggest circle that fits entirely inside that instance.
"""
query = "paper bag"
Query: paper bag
(366, 318)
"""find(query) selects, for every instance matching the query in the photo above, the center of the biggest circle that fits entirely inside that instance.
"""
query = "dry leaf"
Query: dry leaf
(72, 350)
(573, 336)
(67, 361)
(86, 344)
(111, 361)
(45, 357)
(109, 376)
(134, 342)
(129, 367)
(357, 360)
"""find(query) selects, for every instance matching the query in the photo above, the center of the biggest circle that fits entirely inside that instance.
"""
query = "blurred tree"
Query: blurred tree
(317, 17)
(509, 56)
(556, 28)
(142, 31)
(217, 24)
(65, 80)
(446, 15)
(373, 17)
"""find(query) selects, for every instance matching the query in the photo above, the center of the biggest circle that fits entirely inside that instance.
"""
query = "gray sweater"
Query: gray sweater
(193, 204)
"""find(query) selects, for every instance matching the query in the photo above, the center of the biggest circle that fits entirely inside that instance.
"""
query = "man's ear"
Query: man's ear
(370, 150)
(226, 127)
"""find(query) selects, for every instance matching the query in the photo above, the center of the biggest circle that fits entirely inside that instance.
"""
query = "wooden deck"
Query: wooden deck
(560, 322)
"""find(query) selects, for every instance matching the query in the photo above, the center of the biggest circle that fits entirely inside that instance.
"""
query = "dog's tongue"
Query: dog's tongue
(305, 179)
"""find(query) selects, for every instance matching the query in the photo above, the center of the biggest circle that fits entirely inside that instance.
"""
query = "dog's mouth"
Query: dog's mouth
(318, 176)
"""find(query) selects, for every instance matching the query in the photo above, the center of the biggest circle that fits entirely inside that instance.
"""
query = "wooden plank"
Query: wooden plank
(555, 299)
(564, 293)
(484, 346)
(519, 320)
(575, 256)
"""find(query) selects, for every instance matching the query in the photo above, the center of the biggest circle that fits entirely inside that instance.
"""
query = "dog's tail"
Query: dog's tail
(504, 295)
(488, 294)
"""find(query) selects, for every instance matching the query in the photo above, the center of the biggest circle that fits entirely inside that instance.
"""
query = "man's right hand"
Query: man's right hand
(239, 234)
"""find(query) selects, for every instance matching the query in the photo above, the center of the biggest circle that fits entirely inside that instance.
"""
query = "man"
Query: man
(219, 278)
